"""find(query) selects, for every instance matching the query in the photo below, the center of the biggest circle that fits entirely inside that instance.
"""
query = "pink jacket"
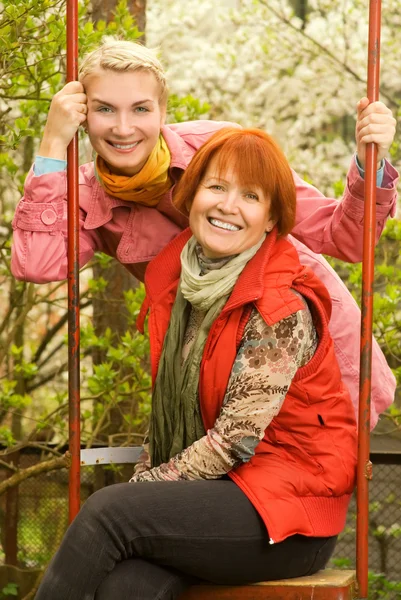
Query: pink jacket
(135, 234)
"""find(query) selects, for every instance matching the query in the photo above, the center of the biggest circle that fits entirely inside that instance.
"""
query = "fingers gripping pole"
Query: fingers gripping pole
(364, 466)
(73, 276)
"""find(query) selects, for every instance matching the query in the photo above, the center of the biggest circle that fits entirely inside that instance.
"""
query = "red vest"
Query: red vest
(302, 475)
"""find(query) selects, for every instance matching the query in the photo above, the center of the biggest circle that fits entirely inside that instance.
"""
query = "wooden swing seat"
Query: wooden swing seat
(329, 584)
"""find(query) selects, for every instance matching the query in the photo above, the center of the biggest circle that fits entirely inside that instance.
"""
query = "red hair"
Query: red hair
(256, 159)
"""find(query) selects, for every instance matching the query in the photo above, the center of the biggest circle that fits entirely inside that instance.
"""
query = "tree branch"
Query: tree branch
(32, 593)
(8, 466)
(29, 304)
(51, 375)
(29, 444)
(44, 467)
(52, 332)
(4, 97)
(326, 51)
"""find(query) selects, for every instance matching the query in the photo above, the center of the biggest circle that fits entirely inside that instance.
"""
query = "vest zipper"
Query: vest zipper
(271, 542)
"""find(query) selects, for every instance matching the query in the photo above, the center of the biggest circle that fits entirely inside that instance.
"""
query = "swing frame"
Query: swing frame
(341, 585)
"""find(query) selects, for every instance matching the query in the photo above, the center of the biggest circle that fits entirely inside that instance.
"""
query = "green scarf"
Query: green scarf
(176, 420)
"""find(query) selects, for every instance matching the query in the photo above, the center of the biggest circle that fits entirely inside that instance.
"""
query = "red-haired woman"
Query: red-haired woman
(253, 436)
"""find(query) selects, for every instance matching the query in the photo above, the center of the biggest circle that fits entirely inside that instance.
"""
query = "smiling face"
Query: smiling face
(227, 218)
(124, 117)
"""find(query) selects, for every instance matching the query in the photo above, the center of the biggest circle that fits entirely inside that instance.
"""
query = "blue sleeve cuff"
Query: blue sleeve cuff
(45, 165)
(379, 172)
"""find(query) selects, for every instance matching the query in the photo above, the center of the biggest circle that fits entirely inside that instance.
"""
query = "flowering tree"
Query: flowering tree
(258, 64)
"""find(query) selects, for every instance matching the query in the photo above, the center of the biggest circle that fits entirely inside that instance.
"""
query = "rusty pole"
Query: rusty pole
(73, 276)
(364, 464)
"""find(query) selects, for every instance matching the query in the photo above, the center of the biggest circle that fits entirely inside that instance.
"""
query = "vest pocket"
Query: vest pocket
(296, 453)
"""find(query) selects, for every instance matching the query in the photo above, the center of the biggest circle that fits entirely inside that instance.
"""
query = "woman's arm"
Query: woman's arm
(327, 226)
(266, 363)
(39, 250)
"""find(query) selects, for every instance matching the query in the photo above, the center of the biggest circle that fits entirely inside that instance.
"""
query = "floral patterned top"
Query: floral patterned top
(266, 362)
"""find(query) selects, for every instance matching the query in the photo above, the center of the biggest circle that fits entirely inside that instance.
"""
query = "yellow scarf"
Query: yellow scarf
(146, 187)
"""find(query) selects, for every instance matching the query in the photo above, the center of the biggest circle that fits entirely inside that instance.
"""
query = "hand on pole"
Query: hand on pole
(375, 123)
(67, 112)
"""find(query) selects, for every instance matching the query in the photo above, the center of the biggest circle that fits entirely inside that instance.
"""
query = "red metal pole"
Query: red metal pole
(364, 464)
(73, 276)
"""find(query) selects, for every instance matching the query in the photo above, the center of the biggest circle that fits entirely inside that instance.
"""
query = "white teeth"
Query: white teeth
(124, 146)
(222, 225)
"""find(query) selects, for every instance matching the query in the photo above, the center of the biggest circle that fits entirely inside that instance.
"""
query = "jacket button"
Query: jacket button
(48, 216)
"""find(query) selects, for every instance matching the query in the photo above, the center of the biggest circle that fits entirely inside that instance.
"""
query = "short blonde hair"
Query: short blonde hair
(119, 55)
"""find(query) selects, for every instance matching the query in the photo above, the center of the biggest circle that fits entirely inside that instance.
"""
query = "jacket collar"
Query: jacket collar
(251, 282)
(181, 153)
(101, 206)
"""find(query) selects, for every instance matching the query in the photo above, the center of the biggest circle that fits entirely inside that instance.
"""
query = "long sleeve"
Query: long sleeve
(329, 226)
(379, 172)
(39, 250)
(266, 363)
(44, 165)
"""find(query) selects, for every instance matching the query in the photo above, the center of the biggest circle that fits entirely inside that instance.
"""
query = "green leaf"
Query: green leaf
(11, 589)
(88, 27)
(22, 123)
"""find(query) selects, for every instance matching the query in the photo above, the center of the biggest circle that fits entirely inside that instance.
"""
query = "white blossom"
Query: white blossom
(255, 65)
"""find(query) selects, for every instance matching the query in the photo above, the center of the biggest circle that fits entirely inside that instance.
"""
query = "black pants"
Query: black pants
(149, 541)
